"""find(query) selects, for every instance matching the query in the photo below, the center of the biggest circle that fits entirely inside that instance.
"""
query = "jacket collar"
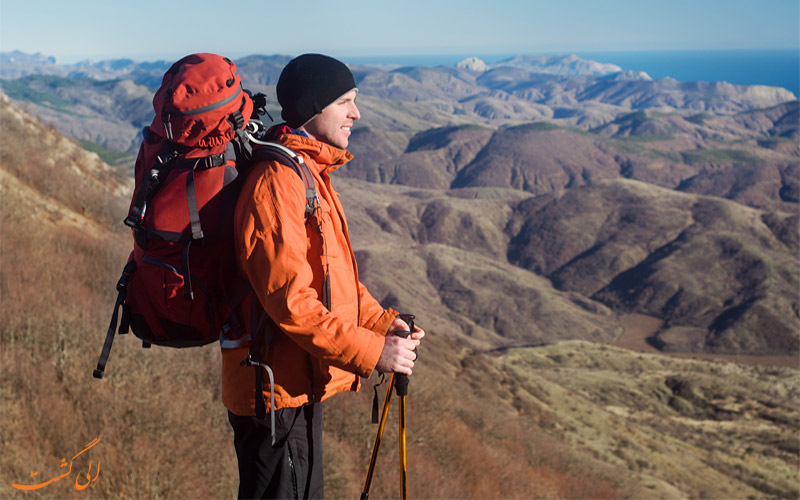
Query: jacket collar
(327, 157)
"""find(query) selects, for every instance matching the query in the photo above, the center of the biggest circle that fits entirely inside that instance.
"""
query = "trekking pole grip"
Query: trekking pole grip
(401, 381)
(409, 319)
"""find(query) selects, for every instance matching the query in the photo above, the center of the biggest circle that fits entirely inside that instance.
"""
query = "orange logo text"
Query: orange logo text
(82, 480)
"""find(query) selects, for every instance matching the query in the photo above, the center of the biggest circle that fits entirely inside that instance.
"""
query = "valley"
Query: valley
(637, 329)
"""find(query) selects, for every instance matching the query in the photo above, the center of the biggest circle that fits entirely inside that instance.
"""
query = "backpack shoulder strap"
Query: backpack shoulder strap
(261, 338)
(287, 156)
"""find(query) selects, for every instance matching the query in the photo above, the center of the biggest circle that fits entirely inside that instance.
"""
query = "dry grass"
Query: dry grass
(463, 442)
(669, 426)
(162, 430)
(60, 169)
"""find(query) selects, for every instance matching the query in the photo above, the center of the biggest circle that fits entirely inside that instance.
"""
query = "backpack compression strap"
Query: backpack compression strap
(122, 292)
(165, 162)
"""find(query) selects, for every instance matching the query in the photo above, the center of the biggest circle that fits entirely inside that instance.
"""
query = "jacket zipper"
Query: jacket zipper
(312, 378)
(291, 468)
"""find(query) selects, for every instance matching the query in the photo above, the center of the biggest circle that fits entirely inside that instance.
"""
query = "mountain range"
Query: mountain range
(108, 102)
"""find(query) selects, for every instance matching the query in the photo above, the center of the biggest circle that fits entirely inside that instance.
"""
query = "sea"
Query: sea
(773, 67)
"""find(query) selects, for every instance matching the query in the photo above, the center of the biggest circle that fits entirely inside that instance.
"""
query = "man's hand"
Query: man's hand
(398, 354)
(401, 326)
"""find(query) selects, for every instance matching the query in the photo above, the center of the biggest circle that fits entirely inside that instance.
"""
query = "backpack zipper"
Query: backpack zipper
(210, 107)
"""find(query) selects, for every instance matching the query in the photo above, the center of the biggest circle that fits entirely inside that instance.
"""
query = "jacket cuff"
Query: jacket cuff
(385, 321)
(371, 354)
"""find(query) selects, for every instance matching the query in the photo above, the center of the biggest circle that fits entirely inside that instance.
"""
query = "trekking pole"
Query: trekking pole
(401, 384)
(376, 446)
(403, 468)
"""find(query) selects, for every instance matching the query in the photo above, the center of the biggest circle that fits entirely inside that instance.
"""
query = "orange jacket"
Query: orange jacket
(318, 352)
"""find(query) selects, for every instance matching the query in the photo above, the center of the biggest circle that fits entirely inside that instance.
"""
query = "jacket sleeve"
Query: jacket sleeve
(373, 315)
(272, 247)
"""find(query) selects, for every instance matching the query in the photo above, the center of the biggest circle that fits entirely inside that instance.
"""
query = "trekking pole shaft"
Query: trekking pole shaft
(403, 465)
(376, 446)
(402, 391)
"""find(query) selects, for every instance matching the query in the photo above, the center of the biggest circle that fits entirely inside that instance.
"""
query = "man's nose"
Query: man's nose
(354, 113)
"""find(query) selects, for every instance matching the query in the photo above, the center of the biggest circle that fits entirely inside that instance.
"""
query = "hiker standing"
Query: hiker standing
(303, 270)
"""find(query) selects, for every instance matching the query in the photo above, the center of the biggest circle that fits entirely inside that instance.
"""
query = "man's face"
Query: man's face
(332, 126)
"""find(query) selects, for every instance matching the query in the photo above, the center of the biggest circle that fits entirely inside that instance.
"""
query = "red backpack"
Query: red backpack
(180, 287)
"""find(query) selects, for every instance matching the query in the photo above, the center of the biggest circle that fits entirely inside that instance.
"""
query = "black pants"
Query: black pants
(290, 469)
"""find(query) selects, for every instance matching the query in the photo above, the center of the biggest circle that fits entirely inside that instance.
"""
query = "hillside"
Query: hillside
(751, 157)
(706, 266)
(672, 428)
(108, 113)
(613, 247)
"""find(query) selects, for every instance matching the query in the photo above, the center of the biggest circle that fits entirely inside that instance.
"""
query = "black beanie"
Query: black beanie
(309, 83)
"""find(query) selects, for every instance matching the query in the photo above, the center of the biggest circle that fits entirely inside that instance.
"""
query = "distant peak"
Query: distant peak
(628, 75)
(473, 64)
(562, 65)
(16, 56)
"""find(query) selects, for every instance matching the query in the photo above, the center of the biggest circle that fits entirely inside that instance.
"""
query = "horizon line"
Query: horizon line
(465, 54)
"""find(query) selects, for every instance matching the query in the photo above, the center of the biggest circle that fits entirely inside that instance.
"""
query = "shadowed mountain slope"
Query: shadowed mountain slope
(713, 269)
(538, 160)
(695, 154)
(109, 113)
(430, 159)
(722, 275)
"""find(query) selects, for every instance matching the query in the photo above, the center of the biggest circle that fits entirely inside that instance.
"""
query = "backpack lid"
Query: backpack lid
(197, 95)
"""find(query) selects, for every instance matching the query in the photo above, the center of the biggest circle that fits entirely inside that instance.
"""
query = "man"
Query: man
(304, 273)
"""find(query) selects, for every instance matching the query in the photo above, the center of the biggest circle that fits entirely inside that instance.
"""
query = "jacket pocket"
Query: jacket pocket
(331, 247)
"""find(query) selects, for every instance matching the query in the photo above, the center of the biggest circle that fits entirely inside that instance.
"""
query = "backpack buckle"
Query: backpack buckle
(131, 221)
(164, 158)
(122, 284)
(237, 120)
(213, 161)
(248, 361)
(167, 123)
(312, 202)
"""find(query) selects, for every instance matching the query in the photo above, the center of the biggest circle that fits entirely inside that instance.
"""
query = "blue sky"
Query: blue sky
(149, 30)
